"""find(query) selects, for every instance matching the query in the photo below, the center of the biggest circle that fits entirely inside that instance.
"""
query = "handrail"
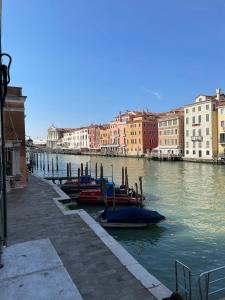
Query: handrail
(207, 281)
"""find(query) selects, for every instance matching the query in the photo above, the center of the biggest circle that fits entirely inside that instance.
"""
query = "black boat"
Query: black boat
(129, 217)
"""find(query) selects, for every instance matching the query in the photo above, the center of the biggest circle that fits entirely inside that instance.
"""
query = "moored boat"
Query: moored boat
(94, 196)
(129, 217)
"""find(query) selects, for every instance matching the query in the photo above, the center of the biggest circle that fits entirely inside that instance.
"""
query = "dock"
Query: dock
(99, 266)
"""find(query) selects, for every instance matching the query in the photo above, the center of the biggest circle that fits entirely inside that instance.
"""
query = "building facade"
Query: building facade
(54, 136)
(221, 130)
(141, 133)
(16, 171)
(170, 134)
(201, 127)
(105, 138)
(94, 138)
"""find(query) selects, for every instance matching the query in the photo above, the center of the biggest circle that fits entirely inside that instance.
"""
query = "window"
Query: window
(207, 152)
(207, 107)
(175, 122)
(193, 120)
(193, 132)
(176, 132)
(187, 145)
(187, 120)
(199, 132)
(193, 144)
(222, 138)
(187, 110)
(199, 119)
(187, 133)
(222, 111)
(207, 131)
(194, 152)
(199, 145)
(170, 122)
(193, 109)
(187, 151)
(222, 123)
(207, 144)
(199, 108)
(207, 117)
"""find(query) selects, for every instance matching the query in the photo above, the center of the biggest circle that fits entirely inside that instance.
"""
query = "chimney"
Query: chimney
(218, 93)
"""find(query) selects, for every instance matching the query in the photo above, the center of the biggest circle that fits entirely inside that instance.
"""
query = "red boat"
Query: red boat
(95, 197)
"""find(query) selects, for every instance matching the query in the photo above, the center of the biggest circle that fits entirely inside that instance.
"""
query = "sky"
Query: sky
(83, 61)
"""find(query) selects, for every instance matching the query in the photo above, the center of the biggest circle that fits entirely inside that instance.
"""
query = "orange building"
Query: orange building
(16, 171)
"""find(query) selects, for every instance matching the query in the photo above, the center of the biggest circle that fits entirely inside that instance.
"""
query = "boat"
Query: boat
(130, 217)
(94, 196)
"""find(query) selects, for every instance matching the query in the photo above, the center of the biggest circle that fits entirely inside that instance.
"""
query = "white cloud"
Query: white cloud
(156, 94)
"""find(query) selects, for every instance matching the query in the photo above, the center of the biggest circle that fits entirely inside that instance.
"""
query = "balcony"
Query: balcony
(197, 138)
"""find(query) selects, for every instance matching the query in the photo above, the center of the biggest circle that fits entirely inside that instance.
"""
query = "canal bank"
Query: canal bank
(97, 264)
(190, 195)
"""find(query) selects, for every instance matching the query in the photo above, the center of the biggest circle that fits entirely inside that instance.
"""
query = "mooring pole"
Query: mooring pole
(96, 171)
(57, 164)
(123, 177)
(141, 191)
(78, 179)
(82, 169)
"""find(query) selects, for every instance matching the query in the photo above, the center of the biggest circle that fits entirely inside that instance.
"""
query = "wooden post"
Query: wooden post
(114, 196)
(44, 162)
(70, 170)
(82, 169)
(57, 164)
(67, 171)
(78, 183)
(96, 171)
(37, 160)
(101, 179)
(105, 194)
(141, 191)
(48, 161)
(136, 192)
(86, 169)
(52, 167)
(123, 177)
(126, 180)
(40, 162)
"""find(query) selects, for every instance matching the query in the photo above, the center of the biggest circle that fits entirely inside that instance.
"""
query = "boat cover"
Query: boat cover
(132, 215)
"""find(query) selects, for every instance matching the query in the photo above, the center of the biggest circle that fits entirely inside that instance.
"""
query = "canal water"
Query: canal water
(190, 195)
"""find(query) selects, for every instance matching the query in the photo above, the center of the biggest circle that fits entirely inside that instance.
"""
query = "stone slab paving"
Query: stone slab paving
(97, 273)
(34, 271)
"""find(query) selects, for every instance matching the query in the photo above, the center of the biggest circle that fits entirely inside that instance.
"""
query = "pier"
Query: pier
(99, 267)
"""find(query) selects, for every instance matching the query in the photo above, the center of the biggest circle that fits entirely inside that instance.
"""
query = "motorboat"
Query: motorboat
(130, 217)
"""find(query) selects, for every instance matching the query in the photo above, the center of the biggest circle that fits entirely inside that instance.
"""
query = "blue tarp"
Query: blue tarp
(132, 215)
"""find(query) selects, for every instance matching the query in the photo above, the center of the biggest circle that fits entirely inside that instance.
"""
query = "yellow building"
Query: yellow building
(104, 137)
(221, 129)
(141, 133)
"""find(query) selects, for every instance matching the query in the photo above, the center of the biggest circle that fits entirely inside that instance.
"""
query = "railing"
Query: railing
(183, 285)
(210, 283)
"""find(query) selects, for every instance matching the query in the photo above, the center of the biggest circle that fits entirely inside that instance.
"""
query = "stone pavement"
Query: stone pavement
(94, 269)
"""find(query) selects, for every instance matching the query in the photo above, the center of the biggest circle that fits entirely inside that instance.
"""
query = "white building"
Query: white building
(76, 139)
(200, 127)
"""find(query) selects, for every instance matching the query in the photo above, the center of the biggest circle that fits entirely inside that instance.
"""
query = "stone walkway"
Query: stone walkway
(94, 269)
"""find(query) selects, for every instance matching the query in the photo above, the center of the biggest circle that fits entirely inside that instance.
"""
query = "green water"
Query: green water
(190, 195)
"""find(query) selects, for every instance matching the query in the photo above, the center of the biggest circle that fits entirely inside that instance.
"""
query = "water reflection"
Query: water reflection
(149, 235)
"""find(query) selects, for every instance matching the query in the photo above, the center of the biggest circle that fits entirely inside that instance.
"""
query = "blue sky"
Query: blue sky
(83, 61)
